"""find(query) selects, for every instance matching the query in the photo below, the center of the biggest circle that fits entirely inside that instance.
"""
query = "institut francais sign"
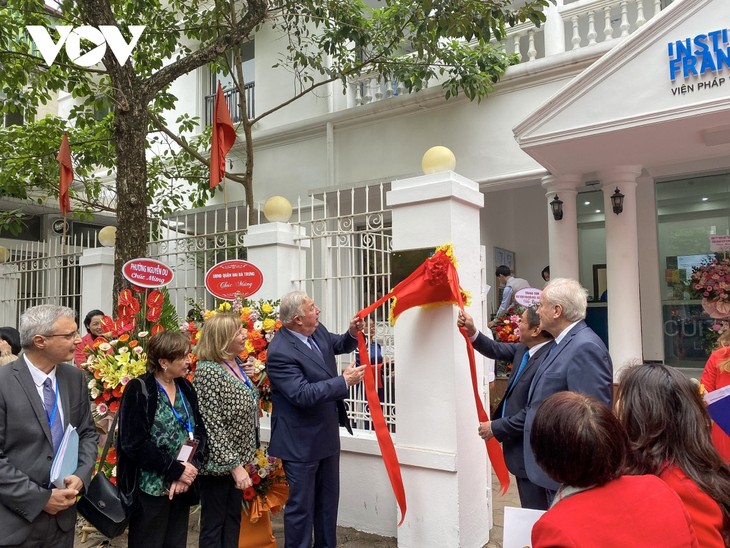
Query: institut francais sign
(700, 62)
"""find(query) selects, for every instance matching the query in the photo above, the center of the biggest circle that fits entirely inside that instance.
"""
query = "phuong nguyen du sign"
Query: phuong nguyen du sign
(232, 278)
(529, 296)
(147, 273)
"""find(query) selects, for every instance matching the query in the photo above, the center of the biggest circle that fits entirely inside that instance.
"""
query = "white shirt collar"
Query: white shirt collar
(39, 377)
(537, 347)
(565, 332)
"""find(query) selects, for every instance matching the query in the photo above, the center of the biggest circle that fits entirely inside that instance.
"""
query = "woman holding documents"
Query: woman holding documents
(160, 445)
(669, 433)
(717, 375)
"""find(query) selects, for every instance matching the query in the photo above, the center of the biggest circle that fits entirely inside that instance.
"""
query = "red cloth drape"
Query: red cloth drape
(222, 139)
(435, 281)
(67, 175)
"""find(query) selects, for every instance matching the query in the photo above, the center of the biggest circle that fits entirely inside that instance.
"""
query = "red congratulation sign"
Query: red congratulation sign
(227, 279)
(147, 273)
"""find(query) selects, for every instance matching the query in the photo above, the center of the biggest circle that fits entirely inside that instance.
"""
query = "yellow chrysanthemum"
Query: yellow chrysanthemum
(224, 307)
(268, 324)
(266, 308)
(208, 314)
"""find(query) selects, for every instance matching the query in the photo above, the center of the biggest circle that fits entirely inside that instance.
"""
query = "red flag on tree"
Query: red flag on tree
(67, 175)
(224, 135)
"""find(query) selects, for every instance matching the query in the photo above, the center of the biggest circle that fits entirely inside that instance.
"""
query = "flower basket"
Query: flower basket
(710, 282)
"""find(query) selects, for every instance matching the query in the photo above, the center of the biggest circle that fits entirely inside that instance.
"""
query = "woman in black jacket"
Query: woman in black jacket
(160, 445)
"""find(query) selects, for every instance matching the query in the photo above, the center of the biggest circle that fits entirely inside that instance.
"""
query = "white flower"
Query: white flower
(138, 350)
(114, 472)
(258, 325)
(142, 334)
(92, 384)
(123, 350)
(94, 393)
(125, 379)
(105, 347)
(102, 409)
(263, 473)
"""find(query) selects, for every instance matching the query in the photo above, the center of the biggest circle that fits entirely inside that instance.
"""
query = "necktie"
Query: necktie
(525, 359)
(49, 402)
(313, 346)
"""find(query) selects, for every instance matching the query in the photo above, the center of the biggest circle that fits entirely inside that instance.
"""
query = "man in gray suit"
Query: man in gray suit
(578, 362)
(39, 397)
(509, 417)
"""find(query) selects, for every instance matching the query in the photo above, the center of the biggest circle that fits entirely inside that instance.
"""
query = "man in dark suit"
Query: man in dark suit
(308, 409)
(578, 362)
(509, 418)
(39, 397)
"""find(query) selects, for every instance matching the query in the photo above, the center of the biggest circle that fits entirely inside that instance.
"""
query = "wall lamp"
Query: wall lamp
(557, 206)
(617, 201)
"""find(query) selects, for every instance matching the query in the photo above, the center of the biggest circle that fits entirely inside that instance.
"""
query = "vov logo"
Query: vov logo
(105, 35)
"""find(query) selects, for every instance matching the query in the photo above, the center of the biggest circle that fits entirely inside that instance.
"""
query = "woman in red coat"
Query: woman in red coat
(716, 375)
(580, 443)
(669, 435)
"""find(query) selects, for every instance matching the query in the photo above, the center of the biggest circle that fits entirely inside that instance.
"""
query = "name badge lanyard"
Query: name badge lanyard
(245, 378)
(188, 423)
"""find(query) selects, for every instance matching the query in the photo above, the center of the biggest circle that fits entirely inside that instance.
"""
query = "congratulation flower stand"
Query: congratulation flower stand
(256, 535)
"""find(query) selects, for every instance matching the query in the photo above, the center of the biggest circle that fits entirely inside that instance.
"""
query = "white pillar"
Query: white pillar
(563, 234)
(9, 280)
(97, 280)
(276, 248)
(444, 462)
(622, 268)
(553, 30)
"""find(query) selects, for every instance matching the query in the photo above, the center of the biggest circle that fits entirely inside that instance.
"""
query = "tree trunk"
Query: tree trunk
(130, 134)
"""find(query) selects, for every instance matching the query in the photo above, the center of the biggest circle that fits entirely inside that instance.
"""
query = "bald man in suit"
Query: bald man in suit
(33, 512)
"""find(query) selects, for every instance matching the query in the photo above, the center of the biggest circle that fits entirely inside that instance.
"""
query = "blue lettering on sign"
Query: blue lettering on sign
(699, 55)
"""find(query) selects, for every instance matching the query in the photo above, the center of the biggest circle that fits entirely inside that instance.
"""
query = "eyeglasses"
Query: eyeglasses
(69, 336)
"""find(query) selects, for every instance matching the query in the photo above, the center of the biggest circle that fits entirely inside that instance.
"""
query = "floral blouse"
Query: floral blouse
(168, 434)
(229, 408)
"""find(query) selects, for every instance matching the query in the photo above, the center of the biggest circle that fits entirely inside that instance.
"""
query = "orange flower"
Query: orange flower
(124, 338)
(133, 343)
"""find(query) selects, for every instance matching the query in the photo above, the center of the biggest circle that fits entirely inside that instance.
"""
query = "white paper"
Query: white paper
(718, 394)
(518, 524)
(67, 458)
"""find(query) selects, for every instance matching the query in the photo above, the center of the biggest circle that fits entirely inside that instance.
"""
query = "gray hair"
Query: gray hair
(291, 305)
(39, 320)
(570, 295)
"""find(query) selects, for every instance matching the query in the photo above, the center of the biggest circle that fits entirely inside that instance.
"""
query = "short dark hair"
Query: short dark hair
(90, 316)
(545, 271)
(11, 336)
(166, 345)
(533, 320)
(578, 441)
(503, 270)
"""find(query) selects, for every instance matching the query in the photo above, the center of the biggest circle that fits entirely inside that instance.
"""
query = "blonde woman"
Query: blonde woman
(716, 375)
(229, 407)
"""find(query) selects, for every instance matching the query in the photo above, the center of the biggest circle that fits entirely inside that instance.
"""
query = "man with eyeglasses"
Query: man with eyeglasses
(577, 362)
(40, 395)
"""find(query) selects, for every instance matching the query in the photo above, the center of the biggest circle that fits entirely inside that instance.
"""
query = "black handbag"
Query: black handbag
(102, 505)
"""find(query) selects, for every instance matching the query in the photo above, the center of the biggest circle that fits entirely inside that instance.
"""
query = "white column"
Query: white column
(444, 462)
(97, 280)
(563, 234)
(554, 30)
(9, 280)
(278, 250)
(622, 268)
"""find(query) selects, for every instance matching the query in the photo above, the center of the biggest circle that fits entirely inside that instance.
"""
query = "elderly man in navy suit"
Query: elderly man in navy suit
(308, 408)
(40, 396)
(508, 420)
(578, 362)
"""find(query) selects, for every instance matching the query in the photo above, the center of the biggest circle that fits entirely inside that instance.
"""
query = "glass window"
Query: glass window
(689, 211)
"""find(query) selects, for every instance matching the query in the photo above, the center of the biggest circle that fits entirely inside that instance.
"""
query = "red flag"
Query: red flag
(67, 175)
(224, 135)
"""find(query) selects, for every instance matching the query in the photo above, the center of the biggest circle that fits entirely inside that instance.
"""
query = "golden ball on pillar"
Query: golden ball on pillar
(277, 209)
(108, 236)
(437, 159)
(4, 254)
